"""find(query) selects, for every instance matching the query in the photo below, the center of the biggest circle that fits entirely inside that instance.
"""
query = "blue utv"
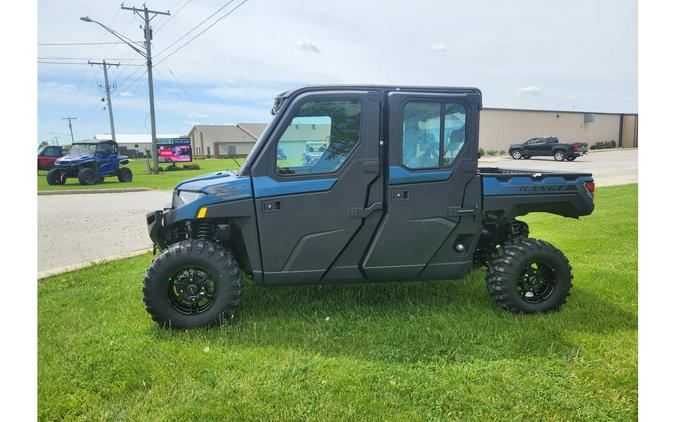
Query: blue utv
(91, 162)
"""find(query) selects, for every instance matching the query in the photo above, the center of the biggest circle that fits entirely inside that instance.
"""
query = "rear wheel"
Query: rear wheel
(529, 276)
(87, 176)
(124, 175)
(56, 177)
(192, 283)
(559, 156)
(516, 155)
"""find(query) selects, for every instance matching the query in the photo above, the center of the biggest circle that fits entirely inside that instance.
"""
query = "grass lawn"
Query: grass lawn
(165, 180)
(400, 351)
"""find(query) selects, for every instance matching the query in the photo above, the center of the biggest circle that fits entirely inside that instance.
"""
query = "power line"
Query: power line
(173, 15)
(78, 58)
(78, 63)
(205, 29)
(193, 29)
(82, 43)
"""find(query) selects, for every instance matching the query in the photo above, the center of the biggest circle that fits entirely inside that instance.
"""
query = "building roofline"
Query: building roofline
(558, 111)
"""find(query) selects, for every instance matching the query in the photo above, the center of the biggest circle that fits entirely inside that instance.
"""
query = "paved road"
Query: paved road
(75, 229)
(78, 228)
(608, 167)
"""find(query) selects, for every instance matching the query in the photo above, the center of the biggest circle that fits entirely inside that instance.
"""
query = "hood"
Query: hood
(69, 159)
(220, 186)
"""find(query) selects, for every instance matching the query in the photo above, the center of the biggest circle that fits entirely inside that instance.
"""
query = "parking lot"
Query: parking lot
(78, 228)
(615, 167)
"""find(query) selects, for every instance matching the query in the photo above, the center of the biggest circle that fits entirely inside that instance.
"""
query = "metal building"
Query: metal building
(500, 127)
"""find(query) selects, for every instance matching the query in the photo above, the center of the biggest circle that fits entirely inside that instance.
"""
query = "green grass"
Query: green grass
(164, 180)
(400, 351)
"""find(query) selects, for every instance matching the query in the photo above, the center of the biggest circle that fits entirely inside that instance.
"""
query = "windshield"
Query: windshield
(82, 149)
(41, 149)
(249, 158)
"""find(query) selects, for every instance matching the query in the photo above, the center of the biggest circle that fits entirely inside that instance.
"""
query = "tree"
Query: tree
(43, 144)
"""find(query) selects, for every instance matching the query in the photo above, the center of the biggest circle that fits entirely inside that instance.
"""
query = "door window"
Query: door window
(320, 137)
(433, 134)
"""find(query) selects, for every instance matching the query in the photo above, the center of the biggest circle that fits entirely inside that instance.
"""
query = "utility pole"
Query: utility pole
(145, 13)
(56, 140)
(107, 93)
(70, 126)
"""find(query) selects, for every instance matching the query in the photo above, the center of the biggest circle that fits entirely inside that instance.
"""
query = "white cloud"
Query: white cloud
(126, 94)
(308, 45)
(245, 93)
(529, 90)
(570, 97)
(197, 115)
(439, 46)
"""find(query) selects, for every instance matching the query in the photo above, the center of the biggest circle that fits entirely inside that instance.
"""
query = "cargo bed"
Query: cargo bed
(509, 193)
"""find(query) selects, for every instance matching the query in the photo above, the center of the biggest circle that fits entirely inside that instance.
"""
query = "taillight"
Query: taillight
(590, 187)
(575, 147)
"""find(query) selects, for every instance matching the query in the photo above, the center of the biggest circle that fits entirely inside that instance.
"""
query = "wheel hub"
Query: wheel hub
(537, 282)
(191, 291)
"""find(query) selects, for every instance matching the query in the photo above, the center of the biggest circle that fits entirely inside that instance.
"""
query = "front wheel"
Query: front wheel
(529, 276)
(516, 155)
(192, 283)
(56, 177)
(559, 156)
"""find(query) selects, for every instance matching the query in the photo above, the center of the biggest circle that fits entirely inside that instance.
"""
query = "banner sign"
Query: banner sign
(174, 150)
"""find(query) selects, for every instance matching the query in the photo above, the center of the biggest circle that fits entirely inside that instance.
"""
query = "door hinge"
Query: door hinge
(364, 212)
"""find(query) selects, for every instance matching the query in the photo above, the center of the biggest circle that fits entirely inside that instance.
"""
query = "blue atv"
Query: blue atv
(91, 162)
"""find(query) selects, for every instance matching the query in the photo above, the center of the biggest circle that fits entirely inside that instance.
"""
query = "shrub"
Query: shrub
(502, 152)
(492, 152)
(481, 152)
(191, 166)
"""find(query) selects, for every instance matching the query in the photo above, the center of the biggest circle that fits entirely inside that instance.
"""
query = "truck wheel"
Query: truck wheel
(56, 177)
(528, 276)
(516, 155)
(87, 176)
(124, 175)
(192, 283)
(571, 158)
(559, 156)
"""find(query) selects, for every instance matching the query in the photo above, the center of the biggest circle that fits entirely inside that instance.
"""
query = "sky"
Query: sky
(555, 54)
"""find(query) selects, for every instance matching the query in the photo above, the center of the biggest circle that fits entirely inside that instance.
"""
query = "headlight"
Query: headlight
(184, 197)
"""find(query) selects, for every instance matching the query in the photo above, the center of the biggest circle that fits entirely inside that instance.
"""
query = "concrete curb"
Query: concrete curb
(77, 191)
(73, 267)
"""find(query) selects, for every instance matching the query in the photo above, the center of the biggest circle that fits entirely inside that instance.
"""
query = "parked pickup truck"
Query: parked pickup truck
(548, 146)
(396, 195)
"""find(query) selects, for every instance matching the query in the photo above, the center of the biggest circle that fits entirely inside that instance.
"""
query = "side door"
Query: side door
(106, 158)
(528, 147)
(316, 187)
(433, 192)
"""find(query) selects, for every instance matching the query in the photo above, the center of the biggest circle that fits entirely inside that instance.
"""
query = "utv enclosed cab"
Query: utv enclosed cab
(396, 194)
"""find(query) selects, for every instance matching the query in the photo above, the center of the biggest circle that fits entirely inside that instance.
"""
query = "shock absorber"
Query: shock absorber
(204, 230)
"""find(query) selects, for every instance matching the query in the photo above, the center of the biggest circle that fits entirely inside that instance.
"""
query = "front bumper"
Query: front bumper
(158, 222)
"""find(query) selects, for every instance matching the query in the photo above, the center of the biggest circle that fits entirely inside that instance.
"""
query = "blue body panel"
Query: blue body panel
(265, 186)
(528, 185)
(399, 175)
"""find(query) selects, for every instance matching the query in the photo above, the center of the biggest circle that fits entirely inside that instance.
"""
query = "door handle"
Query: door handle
(272, 206)
(364, 212)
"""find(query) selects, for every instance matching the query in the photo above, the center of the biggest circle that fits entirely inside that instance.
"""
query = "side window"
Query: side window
(433, 134)
(320, 137)
(454, 124)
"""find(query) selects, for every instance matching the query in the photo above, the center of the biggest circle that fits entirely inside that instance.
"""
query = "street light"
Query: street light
(115, 33)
